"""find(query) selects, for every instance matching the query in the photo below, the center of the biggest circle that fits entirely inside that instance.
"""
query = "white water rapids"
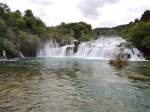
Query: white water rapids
(102, 48)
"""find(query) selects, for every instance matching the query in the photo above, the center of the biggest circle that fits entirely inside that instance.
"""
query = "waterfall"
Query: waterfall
(102, 48)
(52, 49)
(20, 55)
(4, 54)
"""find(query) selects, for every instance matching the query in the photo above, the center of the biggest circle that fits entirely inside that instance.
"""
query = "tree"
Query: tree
(21, 24)
(39, 22)
(146, 16)
(3, 27)
(11, 35)
(139, 35)
(28, 44)
(30, 23)
(9, 46)
(28, 13)
(12, 18)
(17, 14)
(4, 9)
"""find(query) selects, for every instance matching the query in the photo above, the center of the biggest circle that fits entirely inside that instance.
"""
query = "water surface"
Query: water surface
(73, 85)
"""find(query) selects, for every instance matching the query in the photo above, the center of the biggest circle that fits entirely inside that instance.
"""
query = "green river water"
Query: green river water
(73, 85)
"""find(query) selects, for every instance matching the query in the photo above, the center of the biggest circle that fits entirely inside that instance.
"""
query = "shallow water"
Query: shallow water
(73, 85)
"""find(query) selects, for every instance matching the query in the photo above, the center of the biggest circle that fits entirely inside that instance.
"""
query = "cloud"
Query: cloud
(90, 8)
(42, 2)
(98, 13)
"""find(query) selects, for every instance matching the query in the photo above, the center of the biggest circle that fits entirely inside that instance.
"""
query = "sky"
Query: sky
(98, 13)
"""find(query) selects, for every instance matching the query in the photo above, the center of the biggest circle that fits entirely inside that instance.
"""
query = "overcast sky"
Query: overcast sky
(98, 13)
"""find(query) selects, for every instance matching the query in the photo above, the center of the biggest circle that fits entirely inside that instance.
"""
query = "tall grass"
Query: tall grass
(119, 60)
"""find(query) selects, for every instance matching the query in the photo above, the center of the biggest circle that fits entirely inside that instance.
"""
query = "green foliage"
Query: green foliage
(80, 31)
(21, 24)
(4, 9)
(3, 27)
(128, 45)
(28, 13)
(19, 32)
(11, 35)
(114, 31)
(2, 24)
(24, 33)
(87, 37)
(9, 46)
(146, 16)
(138, 33)
(27, 40)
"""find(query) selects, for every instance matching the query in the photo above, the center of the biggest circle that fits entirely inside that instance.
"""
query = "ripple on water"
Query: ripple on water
(55, 85)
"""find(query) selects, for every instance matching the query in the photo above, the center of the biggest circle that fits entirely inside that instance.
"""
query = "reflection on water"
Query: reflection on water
(73, 85)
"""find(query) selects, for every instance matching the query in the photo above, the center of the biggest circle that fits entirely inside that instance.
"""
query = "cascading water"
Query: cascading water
(102, 48)
(52, 49)
(20, 55)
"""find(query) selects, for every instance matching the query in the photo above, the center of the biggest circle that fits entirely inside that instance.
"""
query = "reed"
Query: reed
(119, 60)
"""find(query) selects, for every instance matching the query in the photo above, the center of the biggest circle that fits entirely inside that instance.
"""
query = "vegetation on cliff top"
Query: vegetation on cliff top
(19, 33)
(63, 33)
(138, 33)
(25, 32)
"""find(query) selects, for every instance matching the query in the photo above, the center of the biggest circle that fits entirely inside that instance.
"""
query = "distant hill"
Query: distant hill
(114, 31)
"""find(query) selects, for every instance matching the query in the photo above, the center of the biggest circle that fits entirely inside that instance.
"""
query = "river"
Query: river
(73, 85)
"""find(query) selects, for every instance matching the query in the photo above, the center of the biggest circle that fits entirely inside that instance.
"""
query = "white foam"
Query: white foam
(102, 48)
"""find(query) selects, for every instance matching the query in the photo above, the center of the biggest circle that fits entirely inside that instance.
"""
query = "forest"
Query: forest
(25, 32)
